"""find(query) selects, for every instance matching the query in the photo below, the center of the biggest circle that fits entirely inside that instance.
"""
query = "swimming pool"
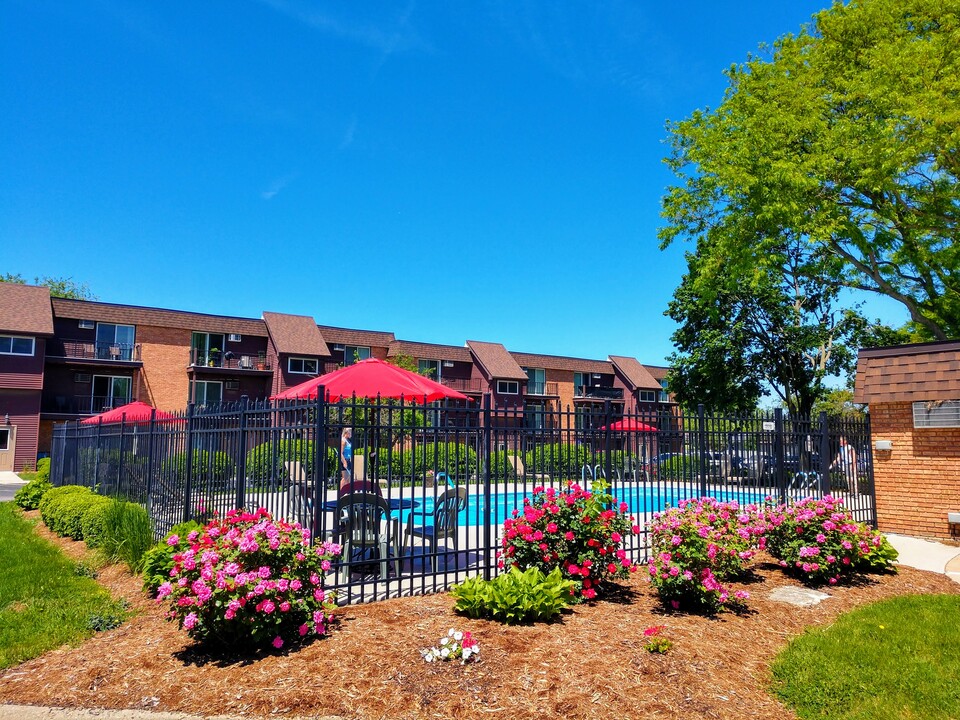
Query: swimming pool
(641, 500)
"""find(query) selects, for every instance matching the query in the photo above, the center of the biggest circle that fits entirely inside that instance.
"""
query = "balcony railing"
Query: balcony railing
(465, 385)
(228, 360)
(593, 391)
(85, 350)
(82, 404)
(541, 388)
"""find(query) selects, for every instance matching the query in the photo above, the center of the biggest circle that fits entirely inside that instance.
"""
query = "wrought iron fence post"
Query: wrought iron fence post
(242, 454)
(607, 464)
(76, 453)
(188, 465)
(778, 453)
(868, 449)
(487, 510)
(96, 456)
(701, 447)
(824, 454)
(150, 432)
(319, 463)
(123, 423)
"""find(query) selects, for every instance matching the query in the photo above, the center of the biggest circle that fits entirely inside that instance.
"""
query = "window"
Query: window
(580, 383)
(207, 348)
(5, 439)
(302, 366)
(429, 368)
(647, 396)
(939, 414)
(13, 345)
(354, 353)
(86, 324)
(508, 387)
(207, 392)
(109, 391)
(536, 381)
(664, 395)
(234, 337)
(533, 416)
(115, 342)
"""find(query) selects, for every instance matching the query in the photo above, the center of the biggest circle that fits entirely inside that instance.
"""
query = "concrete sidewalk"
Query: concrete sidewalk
(927, 555)
(10, 478)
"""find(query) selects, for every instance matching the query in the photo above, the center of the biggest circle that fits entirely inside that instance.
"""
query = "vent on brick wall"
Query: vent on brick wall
(81, 377)
(936, 414)
(233, 337)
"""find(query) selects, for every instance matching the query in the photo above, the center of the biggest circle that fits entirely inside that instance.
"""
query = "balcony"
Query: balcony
(93, 351)
(595, 392)
(464, 385)
(545, 389)
(81, 404)
(229, 361)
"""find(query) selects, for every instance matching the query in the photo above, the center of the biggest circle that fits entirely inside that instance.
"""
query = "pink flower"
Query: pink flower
(173, 540)
(278, 642)
(303, 629)
(190, 620)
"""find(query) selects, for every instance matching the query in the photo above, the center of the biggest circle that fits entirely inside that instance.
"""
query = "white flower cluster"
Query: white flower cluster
(455, 645)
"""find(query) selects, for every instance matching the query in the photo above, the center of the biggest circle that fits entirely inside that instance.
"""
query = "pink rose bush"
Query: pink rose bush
(700, 545)
(249, 580)
(819, 541)
(581, 532)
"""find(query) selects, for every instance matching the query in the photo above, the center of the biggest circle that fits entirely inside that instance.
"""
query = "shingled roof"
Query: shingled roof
(430, 351)
(557, 362)
(909, 373)
(496, 361)
(295, 334)
(639, 377)
(25, 309)
(135, 315)
(358, 338)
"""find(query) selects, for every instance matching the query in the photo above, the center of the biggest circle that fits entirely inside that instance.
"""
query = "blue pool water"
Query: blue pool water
(641, 500)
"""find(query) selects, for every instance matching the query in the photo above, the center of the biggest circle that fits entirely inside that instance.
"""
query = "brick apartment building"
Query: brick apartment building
(64, 360)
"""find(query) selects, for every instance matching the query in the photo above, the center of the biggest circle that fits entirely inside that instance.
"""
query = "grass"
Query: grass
(898, 658)
(44, 602)
(27, 475)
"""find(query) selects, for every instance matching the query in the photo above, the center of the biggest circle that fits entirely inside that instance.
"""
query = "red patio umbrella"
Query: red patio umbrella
(135, 413)
(630, 425)
(370, 378)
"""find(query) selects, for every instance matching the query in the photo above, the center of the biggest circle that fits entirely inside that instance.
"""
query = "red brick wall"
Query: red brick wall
(918, 481)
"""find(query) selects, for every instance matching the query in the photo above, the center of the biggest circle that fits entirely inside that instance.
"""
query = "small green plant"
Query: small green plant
(28, 497)
(43, 469)
(515, 596)
(82, 569)
(655, 642)
(108, 619)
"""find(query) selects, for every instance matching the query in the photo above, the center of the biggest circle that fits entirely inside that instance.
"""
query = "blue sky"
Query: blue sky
(447, 171)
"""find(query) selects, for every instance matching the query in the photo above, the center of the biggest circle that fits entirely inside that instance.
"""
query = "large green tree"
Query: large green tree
(59, 286)
(847, 137)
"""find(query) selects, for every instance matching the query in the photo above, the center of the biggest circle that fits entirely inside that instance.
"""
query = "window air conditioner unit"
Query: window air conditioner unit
(339, 347)
(82, 377)
(234, 337)
(87, 324)
(245, 361)
(448, 363)
(232, 384)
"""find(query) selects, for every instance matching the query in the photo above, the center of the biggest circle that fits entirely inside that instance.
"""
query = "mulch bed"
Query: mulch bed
(590, 664)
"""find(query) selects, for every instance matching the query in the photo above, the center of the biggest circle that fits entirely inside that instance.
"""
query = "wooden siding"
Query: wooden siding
(23, 407)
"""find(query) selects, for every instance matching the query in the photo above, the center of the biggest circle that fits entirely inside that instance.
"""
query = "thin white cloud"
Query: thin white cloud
(277, 185)
(348, 134)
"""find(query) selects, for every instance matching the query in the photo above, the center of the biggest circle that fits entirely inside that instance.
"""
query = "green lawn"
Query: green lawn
(899, 658)
(43, 602)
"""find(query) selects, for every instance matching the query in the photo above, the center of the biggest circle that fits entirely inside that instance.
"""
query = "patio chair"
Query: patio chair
(365, 525)
(300, 493)
(446, 513)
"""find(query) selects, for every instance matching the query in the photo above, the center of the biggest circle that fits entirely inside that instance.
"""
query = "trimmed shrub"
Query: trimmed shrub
(560, 460)
(43, 469)
(515, 597)
(503, 466)
(61, 509)
(208, 468)
(127, 533)
(572, 530)
(158, 560)
(28, 497)
(92, 520)
(265, 461)
(405, 466)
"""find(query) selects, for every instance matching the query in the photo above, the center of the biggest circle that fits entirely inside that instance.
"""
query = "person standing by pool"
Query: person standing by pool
(846, 460)
(346, 457)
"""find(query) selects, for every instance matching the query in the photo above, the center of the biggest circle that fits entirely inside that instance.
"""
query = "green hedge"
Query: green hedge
(455, 459)
(502, 466)
(28, 497)
(127, 533)
(266, 460)
(558, 459)
(43, 469)
(92, 520)
(51, 505)
(208, 468)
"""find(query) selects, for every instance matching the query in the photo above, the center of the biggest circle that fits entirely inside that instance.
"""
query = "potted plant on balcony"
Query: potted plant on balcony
(214, 358)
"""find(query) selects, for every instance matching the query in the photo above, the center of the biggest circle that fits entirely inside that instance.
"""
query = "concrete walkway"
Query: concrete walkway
(10, 478)
(928, 555)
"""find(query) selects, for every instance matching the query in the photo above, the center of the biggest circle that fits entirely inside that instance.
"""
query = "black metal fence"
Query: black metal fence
(449, 476)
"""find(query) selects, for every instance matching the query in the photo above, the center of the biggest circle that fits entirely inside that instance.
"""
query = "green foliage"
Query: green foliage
(158, 560)
(62, 508)
(214, 468)
(266, 460)
(82, 569)
(59, 287)
(515, 596)
(43, 469)
(897, 658)
(559, 460)
(503, 466)
(127, 534)
(403, 466)
(844, 139)
(92, 520)
(678, 467)
(45, 603)
(112, 618)
(838, 403)
(28, 497)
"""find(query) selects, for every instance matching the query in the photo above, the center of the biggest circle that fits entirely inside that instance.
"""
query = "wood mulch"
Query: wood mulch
(590, 664)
